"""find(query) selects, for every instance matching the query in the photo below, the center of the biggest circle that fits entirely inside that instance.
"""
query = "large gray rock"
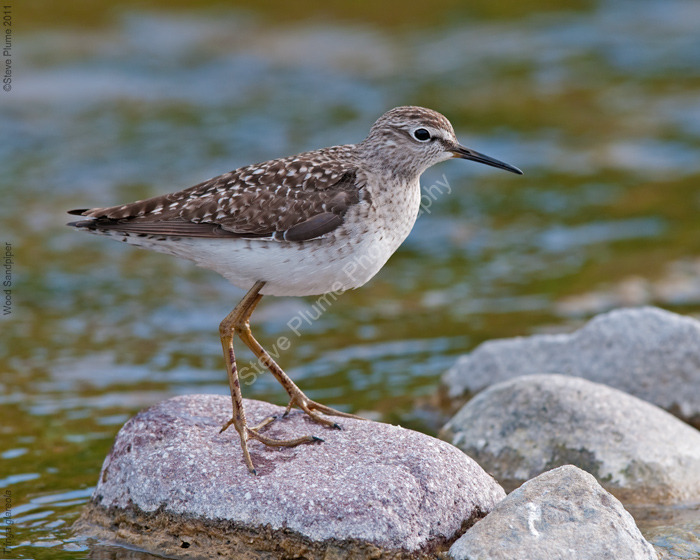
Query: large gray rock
(520, 428)
(562, 514)
(647, 352)
(172, 484)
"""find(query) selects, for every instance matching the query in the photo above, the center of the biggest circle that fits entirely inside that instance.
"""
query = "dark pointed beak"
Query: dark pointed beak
(467, 153)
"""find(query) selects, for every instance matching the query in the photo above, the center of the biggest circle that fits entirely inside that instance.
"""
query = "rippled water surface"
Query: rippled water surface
(598, 102)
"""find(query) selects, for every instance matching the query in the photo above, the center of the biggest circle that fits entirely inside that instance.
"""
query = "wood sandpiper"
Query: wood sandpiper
(318, 222)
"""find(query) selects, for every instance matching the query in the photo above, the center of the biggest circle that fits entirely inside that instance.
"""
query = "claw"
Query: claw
(316, 438)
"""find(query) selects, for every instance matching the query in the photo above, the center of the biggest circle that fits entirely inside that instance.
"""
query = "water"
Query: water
(597, 102)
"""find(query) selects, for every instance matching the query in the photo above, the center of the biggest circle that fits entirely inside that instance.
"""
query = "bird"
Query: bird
(310, 224)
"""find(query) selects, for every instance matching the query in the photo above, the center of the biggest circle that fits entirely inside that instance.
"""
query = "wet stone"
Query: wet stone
(562, 514)
(525, 426)
(647, 352)
(175, 486)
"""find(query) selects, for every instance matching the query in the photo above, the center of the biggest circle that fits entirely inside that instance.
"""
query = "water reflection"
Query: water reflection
(599, 107)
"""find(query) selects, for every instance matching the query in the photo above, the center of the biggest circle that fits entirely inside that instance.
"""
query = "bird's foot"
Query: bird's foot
(252, 433)
(266, 422)
(307, 405)
(247, 433)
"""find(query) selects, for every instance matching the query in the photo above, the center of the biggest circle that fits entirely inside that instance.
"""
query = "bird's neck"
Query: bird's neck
(386, 158)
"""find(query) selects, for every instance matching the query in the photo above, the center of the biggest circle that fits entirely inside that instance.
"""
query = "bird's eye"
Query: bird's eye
(421, 134)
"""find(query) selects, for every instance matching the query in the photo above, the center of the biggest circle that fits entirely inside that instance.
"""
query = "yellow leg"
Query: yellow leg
(237, 320)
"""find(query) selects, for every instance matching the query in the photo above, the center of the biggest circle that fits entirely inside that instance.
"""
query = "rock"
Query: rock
(171, 482)
(520, 428)
(647, 352)
(562, 514)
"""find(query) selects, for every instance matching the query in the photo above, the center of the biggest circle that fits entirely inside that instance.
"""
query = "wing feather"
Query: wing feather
(293, 199)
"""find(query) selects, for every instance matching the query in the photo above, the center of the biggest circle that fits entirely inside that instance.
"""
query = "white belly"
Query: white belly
(288, 269)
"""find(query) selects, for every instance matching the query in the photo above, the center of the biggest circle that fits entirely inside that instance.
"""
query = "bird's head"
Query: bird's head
(412, 139)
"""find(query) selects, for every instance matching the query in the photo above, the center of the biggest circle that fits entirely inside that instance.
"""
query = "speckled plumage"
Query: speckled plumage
(325, 220)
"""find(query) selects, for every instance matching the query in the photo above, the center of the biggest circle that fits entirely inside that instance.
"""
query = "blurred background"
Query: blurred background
(597, 101)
